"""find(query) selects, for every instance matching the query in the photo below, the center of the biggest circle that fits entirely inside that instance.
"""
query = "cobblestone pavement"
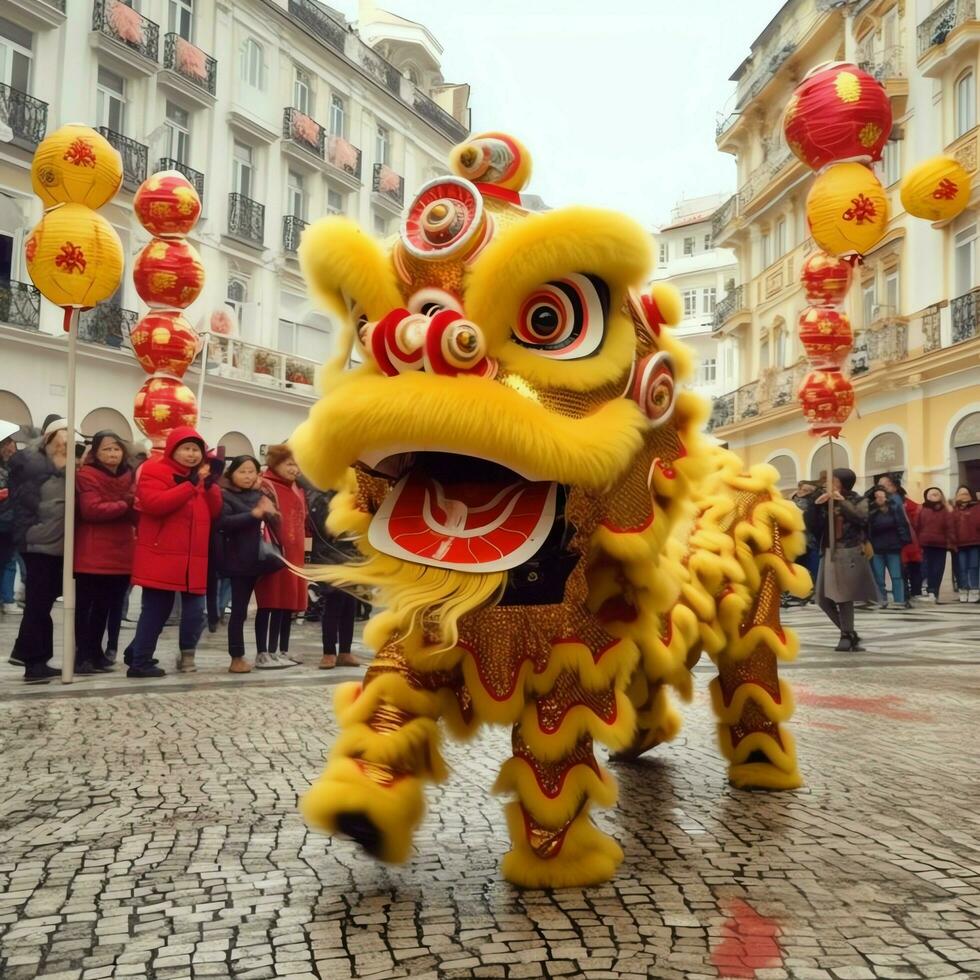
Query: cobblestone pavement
(150, 830)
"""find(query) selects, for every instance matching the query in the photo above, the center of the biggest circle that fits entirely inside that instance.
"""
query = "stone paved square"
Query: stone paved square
(151, 831)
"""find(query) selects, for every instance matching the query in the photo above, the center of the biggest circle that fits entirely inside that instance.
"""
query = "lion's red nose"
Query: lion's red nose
(445, 343)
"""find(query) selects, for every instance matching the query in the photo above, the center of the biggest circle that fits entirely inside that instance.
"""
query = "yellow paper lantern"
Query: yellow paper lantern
(74, 256)
(847, 209)
(75, 165)
(937, 189)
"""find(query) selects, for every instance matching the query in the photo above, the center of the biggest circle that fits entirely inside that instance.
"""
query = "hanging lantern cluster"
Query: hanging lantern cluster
(169, 276)
(74, 256)
(837, 122)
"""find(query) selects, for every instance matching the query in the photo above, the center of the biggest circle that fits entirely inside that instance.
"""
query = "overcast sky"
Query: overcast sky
(616, 99)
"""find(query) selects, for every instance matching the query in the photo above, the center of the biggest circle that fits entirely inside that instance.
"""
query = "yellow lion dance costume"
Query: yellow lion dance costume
(551, 539)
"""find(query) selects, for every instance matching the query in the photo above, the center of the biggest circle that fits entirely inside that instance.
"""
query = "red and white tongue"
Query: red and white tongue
(468, 527)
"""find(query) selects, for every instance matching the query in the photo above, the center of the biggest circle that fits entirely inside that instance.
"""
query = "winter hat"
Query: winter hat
(239, 460)
(277, 454)
(847, 478)
(53, 425)
(48, 419)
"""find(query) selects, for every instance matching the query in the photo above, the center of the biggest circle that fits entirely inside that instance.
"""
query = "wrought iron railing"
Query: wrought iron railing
(20, 304)
(133, 154)
(859, 360)
(60, 4)
(319, 22)
(127, 26)
(343, 155)
(26, 116)
(292, 230)
(194, 176)
(747, 401)
(964, 311)
(377, 67)
(107, 324)
(190, 62)
(722, 411)
(931, 328)
(762, 175)
(766, 71)
(232, 358)
(888, 341)
(888, 63)
(942, 20)
(439, 118)
(246, 219)
(730, 303)
(388, 184)
(299, 128)
(723, 125)
(723, 217)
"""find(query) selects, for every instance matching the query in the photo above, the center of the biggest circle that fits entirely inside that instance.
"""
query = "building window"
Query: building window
(689, 246)
(335, 202)
(709, 300)
(302, 91)
(252, 69)
(338, 116)
(708, 371)
(708, 242)
(966, 103)
(236, 296)
(242, 170)
(892, 294)
(690, 302)
(780, 242)
(766, 250)
(382, 143)
(110, 107)
(16, 50)
(869, 301)
(781, 346)
(177, 124)
(180, 17)
(306, 340)
(965, 259)
(295, 195)
(380, 224)
(664, 253)
(764, 354)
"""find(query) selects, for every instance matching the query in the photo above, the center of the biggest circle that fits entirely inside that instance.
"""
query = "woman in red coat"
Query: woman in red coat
(934, 527)
(966, 534)
(104, 543)
(283, 593)
(177, 497)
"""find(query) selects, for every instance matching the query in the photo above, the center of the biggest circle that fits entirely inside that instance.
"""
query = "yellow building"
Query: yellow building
(914, 303)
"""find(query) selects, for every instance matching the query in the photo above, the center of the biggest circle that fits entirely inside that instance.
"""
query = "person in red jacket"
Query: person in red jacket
(104, 544)
(177, 497)
(934, 528)
(281, 594)
(966, 534)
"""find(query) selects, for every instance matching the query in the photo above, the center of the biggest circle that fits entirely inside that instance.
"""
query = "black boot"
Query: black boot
(855, 642)
(844, 643)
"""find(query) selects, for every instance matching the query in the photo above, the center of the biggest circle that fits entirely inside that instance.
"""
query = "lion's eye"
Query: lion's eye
(565, 318)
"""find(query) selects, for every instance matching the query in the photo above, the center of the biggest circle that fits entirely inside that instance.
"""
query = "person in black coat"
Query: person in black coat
(888, 532)
(245, 506)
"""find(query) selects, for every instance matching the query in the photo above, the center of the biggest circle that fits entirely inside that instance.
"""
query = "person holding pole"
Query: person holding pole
(844, 577)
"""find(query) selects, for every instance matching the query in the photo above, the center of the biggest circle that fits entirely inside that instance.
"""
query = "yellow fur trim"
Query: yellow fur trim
(578, 721)
(761, 775)
(668, 301)
(391, 689)
(730, 714)
(782, 758)
(412, 748)
(517, 777)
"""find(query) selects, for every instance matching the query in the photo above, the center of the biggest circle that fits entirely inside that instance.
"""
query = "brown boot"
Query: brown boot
(328, 661)
(239, 665)
(185, 662)
(348, 660)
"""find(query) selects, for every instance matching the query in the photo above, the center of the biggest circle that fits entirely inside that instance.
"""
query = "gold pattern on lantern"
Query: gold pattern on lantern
(187, 200)
(869, 134)
(162, 282)
(160, 412)
(157, 250)
(848, 87)
(183, 394)
(161, 335)
(160, 209)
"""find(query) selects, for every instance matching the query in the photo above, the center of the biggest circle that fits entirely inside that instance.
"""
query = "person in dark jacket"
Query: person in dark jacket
(845, 578)
(37, 496)
(889, 532)
(177, 498)
(912, 552)
(966, 536)
(246, 506)
(803, 497)
(8, 561)
(339, 607)
(934, 527)
(105, 538)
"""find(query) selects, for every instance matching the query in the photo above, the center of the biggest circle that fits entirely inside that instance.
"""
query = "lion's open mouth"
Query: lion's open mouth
(461, 512)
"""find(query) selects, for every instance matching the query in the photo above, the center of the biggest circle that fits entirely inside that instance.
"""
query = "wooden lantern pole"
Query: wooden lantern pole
(68, 560)
(830, 498)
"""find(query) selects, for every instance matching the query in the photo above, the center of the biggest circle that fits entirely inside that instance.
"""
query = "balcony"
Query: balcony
(730, 304)
(763, 179)
(888, 67)
(389, 187)
(299, 130)
(932, 328)
(884, 342)
(323, 26)
(38, 15)
(382, 71)
(239, 361)
(722, 218)
(965, 314)
(107, 324)
(20, 304)
(26, 116)
(722, 412)
(189, 70)
(292, 230)
(775, 389)
(964, 149)
(947, 33)
(194, 176)
(345, 158)
(246, 220)
(134, 156)
(125, 36)
(448, 125)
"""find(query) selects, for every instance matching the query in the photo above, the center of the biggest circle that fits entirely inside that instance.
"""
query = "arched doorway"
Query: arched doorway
(235, 444)
(106, 418)
(885, 454)
(966, 450)
(821, 459)
(786, 467)
(14, 409)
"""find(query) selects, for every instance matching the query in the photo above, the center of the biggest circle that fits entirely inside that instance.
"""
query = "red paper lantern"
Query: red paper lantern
(838, 112)
(827, 399)
(164, 341)
(163, 404)
(826, 336)
(168, 274)
(826, 279)
(167, 204)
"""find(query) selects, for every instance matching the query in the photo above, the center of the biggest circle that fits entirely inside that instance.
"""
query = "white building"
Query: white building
(688, 259)
(279, 111)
